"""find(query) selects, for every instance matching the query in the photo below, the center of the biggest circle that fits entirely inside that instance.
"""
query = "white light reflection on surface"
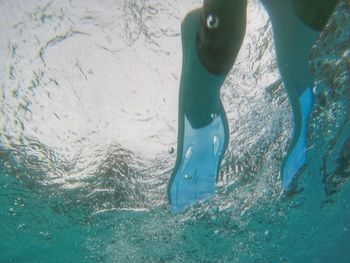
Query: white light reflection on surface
(89, 95)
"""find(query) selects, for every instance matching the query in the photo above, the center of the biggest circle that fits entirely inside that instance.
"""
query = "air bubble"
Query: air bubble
(187, 176)
(212, 21)
(189, 153)
(216, 142)
(171, 150)
(316, 90)
(346, 53)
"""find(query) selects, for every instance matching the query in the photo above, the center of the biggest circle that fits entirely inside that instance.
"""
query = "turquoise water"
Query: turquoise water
(40, 228)
(89, 198)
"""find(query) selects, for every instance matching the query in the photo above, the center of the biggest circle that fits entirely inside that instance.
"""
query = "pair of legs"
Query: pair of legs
(211, 39)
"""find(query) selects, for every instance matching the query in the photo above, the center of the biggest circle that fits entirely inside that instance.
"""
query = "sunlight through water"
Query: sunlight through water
(88, 129)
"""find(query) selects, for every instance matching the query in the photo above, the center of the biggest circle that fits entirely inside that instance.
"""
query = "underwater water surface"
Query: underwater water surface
(88, 126)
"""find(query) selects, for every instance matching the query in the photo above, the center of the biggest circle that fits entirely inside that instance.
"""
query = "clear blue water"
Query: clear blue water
(85, 196)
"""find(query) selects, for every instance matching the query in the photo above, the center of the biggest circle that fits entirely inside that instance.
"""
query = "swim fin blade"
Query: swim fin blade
(203, 149)
(203, 129)
(296, 157)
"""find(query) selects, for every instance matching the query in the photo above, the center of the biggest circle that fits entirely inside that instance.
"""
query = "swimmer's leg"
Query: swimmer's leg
(211, 39)
(296, 25)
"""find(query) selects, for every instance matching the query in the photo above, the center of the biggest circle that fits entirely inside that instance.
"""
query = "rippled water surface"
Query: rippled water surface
(88, 128)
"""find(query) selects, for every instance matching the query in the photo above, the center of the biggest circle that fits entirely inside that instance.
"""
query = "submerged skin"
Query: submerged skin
(315, 13)
(218, 47)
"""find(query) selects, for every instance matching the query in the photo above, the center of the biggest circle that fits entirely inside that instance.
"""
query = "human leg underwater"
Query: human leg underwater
(296, 25)
(211, 39)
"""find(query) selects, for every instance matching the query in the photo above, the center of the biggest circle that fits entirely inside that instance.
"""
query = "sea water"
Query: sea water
(88, 126)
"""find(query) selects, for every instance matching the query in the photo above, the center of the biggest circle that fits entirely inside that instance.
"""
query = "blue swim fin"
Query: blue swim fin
(195, 178)
(296, 158)
(202, 131)
(293, 41)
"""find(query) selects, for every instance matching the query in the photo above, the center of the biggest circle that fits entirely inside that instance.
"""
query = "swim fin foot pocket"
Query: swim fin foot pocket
(202, 128)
